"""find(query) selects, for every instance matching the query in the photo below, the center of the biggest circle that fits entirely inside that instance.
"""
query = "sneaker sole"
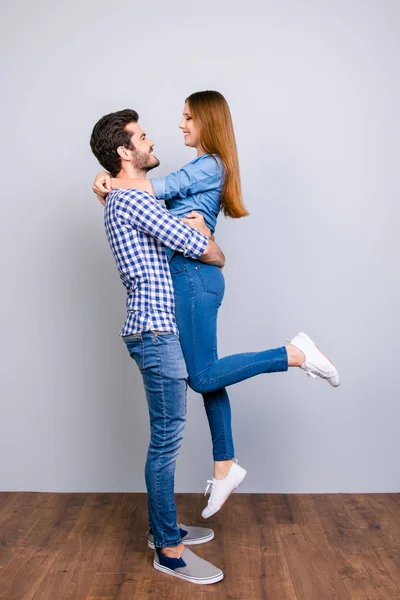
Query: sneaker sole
(194, 542)
(227, 498)
(198, 580)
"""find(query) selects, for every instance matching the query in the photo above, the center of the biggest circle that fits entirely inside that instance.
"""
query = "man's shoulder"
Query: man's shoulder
(122, 197)
(129, 194)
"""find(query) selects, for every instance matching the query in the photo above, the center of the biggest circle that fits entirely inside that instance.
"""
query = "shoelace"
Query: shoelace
(309, 370)
(310, 373)
(305, 367)
(210, 486)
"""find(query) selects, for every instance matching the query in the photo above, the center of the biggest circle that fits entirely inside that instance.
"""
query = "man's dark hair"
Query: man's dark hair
(108, 134)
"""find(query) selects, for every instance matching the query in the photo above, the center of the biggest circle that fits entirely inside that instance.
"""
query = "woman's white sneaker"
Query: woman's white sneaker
(221, 489)
(316, 363)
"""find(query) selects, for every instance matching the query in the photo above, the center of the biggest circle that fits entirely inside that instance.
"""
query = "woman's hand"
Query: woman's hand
(196, 220)
(102, 186)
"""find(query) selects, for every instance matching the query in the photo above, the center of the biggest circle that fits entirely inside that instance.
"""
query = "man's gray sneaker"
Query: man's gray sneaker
(190, 535)
(189, 567)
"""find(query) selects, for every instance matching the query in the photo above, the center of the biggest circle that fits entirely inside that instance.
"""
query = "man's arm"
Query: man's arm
(213, 255)
(104, 183)
(144, 213)
(200, 176)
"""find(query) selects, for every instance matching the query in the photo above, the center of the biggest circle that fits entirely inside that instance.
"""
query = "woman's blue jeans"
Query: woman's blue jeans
(199, 290)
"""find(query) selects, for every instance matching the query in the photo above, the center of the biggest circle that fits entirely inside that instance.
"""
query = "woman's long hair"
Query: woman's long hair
(211, 113)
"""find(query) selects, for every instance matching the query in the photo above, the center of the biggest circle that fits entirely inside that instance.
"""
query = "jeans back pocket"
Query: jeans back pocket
(211, 277)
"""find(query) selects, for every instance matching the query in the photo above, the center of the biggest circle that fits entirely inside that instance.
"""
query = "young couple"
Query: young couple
(172, 270)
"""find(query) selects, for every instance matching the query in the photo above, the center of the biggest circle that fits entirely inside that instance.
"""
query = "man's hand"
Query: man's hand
(102, 186)
(213, 255)
(196, 220)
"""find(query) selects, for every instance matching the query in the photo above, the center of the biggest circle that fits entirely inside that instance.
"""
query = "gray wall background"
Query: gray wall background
(314, 92)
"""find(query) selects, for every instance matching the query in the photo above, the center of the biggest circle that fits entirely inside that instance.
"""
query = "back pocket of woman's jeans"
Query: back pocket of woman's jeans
(212, 278)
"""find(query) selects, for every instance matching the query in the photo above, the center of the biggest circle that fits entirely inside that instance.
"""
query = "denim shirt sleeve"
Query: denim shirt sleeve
(201, 175)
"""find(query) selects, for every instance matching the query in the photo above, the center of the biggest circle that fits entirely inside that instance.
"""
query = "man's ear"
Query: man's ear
(124, 153)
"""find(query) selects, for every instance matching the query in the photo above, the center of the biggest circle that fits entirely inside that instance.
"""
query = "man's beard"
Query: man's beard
(143, 161)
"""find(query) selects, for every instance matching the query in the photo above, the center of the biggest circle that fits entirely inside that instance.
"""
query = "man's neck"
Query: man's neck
(131, 173)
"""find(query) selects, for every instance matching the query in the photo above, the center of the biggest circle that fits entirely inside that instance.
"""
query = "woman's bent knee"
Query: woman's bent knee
(198, 384)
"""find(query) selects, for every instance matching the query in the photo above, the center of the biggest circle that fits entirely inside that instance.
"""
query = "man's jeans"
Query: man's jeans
(199, 290)
(159, 358)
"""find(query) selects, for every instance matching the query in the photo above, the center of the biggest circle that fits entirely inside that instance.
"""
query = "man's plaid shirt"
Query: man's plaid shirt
(138, 228)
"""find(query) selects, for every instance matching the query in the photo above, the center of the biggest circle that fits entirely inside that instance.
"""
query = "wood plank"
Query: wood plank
(387, 517)
(275, 578)
(36, 552)
(126, 537)
(311, 564)
(390, 560)
(351, 544)
(272, 546)
(18, 521)
(22, 575)
(106, 586)
(57, 519)
(7, 501)
(77, 561)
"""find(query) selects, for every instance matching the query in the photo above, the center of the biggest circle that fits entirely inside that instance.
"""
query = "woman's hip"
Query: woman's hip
(200, 280)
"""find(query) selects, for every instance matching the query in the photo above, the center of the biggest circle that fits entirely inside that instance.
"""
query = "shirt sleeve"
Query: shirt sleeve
(198, 176)
(140, 210)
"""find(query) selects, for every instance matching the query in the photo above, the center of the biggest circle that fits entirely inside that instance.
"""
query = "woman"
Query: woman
(210, 184)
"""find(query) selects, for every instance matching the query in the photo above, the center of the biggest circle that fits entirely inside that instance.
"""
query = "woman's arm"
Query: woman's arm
(196, 177)
(103, 184)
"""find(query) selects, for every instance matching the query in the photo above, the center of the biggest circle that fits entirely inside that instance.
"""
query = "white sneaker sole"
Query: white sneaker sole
(195, 542)
(198, 580)
(227, 498)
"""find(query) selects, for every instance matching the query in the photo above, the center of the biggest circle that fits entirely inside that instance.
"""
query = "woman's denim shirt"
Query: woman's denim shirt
(197, 186)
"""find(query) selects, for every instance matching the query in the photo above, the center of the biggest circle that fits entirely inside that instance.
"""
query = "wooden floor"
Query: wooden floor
(277, 547)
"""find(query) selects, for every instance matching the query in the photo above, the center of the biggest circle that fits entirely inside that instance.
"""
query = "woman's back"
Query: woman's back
(197, 186)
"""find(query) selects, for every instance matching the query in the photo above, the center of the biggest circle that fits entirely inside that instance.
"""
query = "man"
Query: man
(138, 229)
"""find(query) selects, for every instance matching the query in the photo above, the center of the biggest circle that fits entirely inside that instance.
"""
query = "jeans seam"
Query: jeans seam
(163, 411)
(142, 344)
(192, 316)
(223, 424)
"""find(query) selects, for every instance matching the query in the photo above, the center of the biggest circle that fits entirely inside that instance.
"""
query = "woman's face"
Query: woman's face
(190, 130)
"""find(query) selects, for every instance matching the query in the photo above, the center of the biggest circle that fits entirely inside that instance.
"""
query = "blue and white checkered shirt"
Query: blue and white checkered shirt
(138, 228)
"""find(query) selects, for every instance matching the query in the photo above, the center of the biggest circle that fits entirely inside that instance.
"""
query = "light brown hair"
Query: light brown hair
(210, 112)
